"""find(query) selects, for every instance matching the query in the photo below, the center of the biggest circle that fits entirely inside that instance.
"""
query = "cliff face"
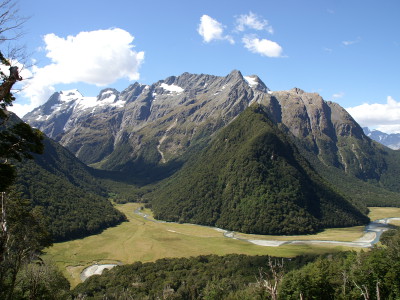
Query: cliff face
(327, 130)
(152, 125)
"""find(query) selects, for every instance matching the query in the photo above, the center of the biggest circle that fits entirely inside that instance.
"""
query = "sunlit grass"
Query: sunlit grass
(383, 212)
(145, 240)
(347, 234)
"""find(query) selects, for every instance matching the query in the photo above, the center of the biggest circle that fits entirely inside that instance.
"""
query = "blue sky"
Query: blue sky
(346, 50)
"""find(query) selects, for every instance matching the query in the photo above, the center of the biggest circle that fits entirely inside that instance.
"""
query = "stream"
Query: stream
(372, 235)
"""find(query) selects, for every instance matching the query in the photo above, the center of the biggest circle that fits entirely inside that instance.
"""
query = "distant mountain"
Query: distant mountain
(251, 178)
(390, 140)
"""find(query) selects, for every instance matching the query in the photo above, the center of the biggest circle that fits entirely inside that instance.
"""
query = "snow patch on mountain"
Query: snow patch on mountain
(172, 88)
(70, 95)
(251, 81)
(255, 83)
(73, 99)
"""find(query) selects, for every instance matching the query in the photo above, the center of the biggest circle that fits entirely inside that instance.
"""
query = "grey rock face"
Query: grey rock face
(159, 122)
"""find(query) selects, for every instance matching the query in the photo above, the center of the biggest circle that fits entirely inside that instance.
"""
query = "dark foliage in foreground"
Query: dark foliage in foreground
(363, 275)
(348, 275)
(208, 277)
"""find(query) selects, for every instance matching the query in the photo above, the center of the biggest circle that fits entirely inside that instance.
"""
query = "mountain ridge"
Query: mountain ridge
(252, 179)
(391, 140)
(162, 126)
(72, 201)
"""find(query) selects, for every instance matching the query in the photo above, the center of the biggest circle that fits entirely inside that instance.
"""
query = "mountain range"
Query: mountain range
(231, 144)
(391, 140)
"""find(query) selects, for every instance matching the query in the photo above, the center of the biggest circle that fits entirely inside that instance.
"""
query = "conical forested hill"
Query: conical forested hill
(252, 179)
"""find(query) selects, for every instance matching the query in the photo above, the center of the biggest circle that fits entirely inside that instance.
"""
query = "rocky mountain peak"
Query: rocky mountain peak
(255, 82)
(297, 91)
(132, 92)
(235, 75)
(107, 93)
(69, 94)
(165, 118)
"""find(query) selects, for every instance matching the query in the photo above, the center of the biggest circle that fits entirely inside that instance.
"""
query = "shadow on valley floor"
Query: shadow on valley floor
(139, 173)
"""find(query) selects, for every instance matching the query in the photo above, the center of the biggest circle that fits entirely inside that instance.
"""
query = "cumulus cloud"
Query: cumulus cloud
(210, 29)
(263, 47)
(385, 117)
(252, 21)
(389, 128)
(96, 57)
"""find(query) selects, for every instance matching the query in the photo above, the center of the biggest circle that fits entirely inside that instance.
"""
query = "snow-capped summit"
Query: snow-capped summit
(70, 95)
(255, 82)
(63, 107)
(93, 127)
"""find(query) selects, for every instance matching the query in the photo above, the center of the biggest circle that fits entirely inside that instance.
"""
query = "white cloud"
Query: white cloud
(210, 29)
(338, 95)
(96, 57)
(252, 21)
(262, 46)
(389, 128)
(385, 116)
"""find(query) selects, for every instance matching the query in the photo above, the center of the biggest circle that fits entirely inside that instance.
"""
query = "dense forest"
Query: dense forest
(76, 204)
(371, 274)
(252, 179)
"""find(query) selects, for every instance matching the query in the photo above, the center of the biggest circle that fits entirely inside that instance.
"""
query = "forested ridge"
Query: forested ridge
(73, 202)
(251, 178)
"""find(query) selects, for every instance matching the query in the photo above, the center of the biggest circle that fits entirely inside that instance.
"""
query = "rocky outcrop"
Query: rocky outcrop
(115, 129)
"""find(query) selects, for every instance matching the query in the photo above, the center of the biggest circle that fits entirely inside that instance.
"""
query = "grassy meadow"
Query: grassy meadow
(144, 240)
(384, 212)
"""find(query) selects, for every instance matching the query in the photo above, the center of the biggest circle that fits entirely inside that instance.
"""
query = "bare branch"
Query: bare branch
(363, 289)
(272, 279)
(11, 23)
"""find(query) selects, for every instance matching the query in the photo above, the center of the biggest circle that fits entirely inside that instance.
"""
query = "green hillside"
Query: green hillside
(62, 188)
(252, 179)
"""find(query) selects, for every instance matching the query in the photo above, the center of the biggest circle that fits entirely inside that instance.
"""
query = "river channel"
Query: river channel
(371, 236)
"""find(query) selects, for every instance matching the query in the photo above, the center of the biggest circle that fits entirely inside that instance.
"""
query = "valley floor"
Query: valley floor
(142, 239)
